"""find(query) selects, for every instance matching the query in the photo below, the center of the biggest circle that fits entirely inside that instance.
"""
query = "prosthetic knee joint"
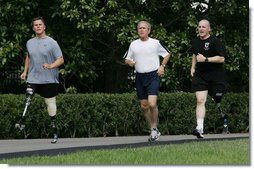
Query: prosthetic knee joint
(217, 98)
(29, 96)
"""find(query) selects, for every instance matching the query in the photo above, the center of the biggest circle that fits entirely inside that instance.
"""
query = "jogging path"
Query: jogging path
(28, 147)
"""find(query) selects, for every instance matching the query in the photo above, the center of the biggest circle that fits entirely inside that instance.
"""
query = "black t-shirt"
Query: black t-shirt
(209, 47)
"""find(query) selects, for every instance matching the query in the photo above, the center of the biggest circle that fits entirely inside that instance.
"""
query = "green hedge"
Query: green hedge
(92, 115)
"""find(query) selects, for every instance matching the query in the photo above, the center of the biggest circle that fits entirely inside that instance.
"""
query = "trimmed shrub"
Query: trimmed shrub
(99, 114)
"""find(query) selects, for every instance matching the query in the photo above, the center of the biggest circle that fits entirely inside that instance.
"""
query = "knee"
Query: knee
(144, 106)
(29, 92)
(201, 101)
(217, 97)
(51, 105)
(152, 105)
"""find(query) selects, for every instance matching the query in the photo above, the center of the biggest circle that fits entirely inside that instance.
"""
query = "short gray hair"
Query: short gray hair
(147, 23)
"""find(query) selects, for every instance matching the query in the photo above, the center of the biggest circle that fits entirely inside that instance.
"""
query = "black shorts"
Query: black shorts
(214, 82)
(45, 90)
(147, 84)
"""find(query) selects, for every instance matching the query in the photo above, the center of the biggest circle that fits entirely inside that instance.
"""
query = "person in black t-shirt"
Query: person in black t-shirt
(207, 71)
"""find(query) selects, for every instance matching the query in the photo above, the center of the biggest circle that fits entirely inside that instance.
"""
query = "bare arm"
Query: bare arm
(214, 59)
(163, 64)
(165, 60)
(58, 62)
(129, 62)
(26, 67)
(193, 65)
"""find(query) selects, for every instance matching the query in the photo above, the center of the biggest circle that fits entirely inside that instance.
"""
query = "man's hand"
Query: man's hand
(23, 76)
(131, 63)
(46, 66)
(200, 58)
(192, 72)
(160, 71)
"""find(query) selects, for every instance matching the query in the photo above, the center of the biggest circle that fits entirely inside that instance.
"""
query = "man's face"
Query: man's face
(143, 31)
(203, 29)
(39, 27)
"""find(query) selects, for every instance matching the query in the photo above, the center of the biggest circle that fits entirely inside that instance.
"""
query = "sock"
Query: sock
(200, 125)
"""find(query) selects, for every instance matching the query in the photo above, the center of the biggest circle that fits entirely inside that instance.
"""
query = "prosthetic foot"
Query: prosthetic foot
(21, 126)
(217, 97)
(55, 134)
(225, 119)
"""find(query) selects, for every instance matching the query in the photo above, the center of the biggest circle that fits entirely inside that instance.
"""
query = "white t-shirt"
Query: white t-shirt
(146, 54)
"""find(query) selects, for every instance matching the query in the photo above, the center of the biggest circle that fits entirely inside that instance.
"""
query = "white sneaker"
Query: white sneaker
(55, 138)
(154, 136)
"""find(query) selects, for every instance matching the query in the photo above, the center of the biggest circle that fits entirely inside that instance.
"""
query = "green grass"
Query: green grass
(227, 152)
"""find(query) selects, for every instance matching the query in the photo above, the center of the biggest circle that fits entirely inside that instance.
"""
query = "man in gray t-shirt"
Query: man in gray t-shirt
(43, 59)
(49, 51)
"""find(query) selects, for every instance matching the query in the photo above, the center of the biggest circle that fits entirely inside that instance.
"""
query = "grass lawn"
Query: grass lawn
(221, 152)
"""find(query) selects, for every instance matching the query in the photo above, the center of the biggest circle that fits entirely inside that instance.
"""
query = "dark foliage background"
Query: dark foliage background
(94, 35)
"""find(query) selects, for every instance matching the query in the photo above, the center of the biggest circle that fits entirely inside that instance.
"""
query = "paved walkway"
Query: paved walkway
(28, 147)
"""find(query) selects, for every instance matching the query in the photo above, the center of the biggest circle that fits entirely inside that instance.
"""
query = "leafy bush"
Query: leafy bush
(99, 114)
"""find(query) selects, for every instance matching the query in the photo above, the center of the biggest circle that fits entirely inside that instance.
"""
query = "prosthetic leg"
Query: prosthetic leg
(54, 128)
(51, 107)
(217, 98)
(21, 124)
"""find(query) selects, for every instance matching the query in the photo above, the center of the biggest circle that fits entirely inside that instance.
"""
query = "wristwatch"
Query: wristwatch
(206, 59)
(163, 65)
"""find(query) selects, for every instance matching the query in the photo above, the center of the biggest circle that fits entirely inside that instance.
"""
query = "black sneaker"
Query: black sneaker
(55, 139)
(197, 133)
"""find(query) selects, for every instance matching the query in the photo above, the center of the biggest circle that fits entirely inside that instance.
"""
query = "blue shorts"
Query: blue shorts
(147, 84)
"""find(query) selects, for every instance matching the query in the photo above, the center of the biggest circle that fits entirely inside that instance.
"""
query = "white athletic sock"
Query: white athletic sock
(200, 125)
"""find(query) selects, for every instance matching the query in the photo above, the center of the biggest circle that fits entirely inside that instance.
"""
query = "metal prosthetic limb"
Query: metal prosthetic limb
(55, 135)
(29, 95)
(224, 117)
(217, 98)
(51, 108)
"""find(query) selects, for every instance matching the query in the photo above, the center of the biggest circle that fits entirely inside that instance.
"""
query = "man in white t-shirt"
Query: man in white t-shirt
(144, 54)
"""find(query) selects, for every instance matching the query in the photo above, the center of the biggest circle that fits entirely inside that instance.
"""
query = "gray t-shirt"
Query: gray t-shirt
(40, 51)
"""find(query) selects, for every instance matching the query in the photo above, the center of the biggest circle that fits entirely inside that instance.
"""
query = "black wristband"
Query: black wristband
(206, 59)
